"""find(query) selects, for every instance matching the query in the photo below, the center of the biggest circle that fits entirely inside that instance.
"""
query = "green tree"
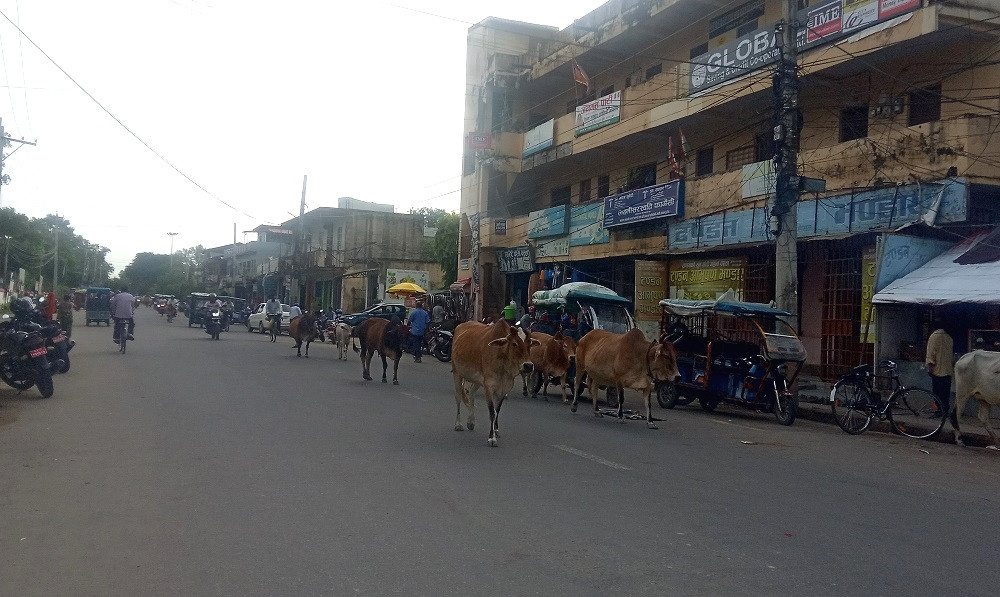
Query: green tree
(432, 215)
(145, 272)
(446, 245)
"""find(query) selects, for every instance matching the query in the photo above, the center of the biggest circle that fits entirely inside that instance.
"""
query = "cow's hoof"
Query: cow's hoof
(492, 442)
(566, 401)
(524, 392)
(458, 427)
(307, 356)
(395, 382)
(598, 414)
(572, 409)
(384, 380)
(992, 448)
(470, 426)
(621, 420)
(651, 425)
(959, 442)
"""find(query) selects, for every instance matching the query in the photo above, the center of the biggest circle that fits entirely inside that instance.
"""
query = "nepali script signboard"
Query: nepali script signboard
(515, 260)
(650, 289)
(600, 112)
(640, 205)
(707, 279)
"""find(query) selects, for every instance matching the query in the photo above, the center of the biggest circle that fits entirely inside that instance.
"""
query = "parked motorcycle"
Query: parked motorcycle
(26, 316)
(24, 360)
(322, 323)
(213, 323)
(439, 345)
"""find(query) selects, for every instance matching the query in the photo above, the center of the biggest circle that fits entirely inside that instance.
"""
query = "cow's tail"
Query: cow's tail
(353, 345)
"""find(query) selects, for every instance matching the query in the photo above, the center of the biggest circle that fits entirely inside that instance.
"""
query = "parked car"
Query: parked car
(383, 310)
(258, 319)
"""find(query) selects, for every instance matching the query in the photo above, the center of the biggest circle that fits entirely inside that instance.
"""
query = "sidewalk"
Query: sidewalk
(814, 405)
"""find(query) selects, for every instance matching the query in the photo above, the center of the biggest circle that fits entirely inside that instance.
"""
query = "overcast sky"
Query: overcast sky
(242, 96)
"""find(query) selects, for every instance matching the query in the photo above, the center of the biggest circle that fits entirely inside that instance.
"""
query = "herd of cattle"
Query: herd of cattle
(492, 356)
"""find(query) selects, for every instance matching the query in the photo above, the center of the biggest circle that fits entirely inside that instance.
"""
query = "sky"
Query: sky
(234, 101)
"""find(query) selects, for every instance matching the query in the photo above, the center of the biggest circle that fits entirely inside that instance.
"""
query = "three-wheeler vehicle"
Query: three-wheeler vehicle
(98, 306)
(731, 351)
(195, 303)
(586, 306)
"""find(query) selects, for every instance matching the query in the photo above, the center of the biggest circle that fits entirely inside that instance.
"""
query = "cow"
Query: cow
(302, 329)
(487, 356)
(623, 361)
(387, 338)
(553, 357)
(342, 337)
(977, 377)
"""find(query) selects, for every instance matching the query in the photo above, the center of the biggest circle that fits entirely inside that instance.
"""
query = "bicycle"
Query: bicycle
(913, 412)
(121, 326)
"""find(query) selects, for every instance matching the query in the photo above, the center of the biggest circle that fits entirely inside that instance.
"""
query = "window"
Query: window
(705, 161)
(925, 105)
(468, 164)
(641, 176)
(654, 70)
(745, 28)
(561, 196)
(699, 50)
(603, 186)
(763, 145)
(607, 90)
(735, 18)
(737, 158)
(585, 190)
(853, 123)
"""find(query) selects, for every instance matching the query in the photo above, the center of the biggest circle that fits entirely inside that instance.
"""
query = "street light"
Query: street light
(172, 235)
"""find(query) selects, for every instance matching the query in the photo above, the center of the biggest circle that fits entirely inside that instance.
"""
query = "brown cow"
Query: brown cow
(302, 329)
(553, 357)
(623, 361)
(387, 338)
(490, 356)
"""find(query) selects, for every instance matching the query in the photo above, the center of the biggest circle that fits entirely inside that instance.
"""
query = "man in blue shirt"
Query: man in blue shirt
(418, 325)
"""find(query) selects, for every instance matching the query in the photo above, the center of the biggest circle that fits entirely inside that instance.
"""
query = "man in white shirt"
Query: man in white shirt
(123, 308)
(294, 311)
(272, 308)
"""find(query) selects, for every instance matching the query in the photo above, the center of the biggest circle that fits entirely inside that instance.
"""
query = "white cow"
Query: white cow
(977, 377)
(342, 336)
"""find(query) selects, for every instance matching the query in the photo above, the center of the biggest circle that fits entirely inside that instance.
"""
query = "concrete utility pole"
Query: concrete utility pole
(3, 143)
(172, 235)
(302, 237)
(6, 255)
(788, 125)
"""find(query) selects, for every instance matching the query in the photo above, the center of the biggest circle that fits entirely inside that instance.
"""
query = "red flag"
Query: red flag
(671, 159)
(579, 76)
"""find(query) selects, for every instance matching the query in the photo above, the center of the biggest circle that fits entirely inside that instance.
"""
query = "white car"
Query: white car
(258, 319)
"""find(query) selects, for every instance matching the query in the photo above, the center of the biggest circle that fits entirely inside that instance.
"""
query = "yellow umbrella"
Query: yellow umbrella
(406, 288)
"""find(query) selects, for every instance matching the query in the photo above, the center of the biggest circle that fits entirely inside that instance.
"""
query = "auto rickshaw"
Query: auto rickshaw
(195, 302)
(98, 306)
(734, 352)
(79, 299)
(237, 316)
(578, 307)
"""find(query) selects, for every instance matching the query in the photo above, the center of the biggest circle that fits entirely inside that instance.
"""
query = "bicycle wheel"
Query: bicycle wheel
(852, 406)
(916, 413)
(122, 336)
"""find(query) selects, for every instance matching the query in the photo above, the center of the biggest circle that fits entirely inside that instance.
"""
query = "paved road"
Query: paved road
(196, 467)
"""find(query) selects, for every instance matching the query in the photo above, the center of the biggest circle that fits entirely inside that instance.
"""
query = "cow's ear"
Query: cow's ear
(498, 342)
(535, 342)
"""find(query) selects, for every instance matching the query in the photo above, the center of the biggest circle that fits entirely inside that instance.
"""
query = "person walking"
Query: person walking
(65, 315)
(940, 362)
(418, 326)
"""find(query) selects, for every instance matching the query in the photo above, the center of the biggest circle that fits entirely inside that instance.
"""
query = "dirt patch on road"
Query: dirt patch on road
(8, 413)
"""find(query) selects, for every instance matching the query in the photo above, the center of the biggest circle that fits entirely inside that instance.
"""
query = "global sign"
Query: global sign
(741, 56)
(640, 205)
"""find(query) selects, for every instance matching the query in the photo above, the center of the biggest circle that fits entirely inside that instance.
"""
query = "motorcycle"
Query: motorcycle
(24, 360)
(322, 323)
(56, 341)
(171, 313)
(439, 345)
(213, 323)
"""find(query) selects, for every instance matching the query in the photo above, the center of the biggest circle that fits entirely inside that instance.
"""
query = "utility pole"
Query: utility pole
(6, 254)
(302, 237)
(788, 125)
(4, 141)
(55, 263)
(172, 235)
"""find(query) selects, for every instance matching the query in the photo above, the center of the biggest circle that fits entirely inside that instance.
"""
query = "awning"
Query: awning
(944, 280)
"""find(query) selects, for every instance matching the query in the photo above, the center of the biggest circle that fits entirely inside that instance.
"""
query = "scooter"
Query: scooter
(213, 323)
(439, 345)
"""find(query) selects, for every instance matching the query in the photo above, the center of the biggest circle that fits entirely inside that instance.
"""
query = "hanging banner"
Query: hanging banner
(650, 289)
(868, 266)
(707, 279)
(600, 112)
(759, 179)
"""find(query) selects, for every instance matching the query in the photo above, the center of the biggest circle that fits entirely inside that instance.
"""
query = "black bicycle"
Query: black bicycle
(913, 412)
(121, 326)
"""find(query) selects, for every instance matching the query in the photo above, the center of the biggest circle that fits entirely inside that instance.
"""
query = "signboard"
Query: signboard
(480, 140)
(600, 112)
(463, 264)
(553, 221)
(868, 268)
(825, 22)
(641, 205)
(585, 225)
(759, 179)
(650, 289)
(876, 209)
(500, 226)
(707, 279)
(538, 138)
(900, 254)
(515, 260)
(556, 247)
(398, 276)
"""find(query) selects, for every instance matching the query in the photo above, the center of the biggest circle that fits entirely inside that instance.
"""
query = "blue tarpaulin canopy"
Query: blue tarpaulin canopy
(724, 304)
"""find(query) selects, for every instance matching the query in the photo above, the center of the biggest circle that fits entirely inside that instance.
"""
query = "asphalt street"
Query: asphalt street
(199, 467)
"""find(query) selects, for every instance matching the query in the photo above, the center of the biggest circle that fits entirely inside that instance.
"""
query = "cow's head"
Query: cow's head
(661, 359)
(561, 351)
(513, 350)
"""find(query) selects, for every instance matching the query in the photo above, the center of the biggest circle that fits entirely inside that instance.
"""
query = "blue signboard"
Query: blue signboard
(641, 205)
(878, 209)
(900, 255)
(585, 225)
(548, 222)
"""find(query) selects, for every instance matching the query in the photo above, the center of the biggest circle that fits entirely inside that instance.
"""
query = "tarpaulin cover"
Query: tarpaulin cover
(579, 291)
(942, 281)
(726, 303)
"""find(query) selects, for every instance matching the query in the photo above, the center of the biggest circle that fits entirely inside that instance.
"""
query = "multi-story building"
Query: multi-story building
(634, 149)
(344, 257)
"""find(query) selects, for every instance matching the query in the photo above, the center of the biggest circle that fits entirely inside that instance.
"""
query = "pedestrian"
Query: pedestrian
(940, 363)
(418, 325)
(65, 315)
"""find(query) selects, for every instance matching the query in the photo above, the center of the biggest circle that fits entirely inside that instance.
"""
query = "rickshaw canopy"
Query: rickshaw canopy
(724, 304)
(571, 292)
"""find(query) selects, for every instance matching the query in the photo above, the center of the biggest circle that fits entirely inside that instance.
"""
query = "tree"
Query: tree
(432, 215)
(446, 245)
(143, 275)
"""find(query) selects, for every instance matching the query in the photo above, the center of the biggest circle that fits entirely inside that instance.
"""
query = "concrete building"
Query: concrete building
(655, 177)
(342, 257)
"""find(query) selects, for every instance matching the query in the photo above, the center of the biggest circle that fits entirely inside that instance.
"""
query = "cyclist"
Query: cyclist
(273, 311)
(123, 308)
